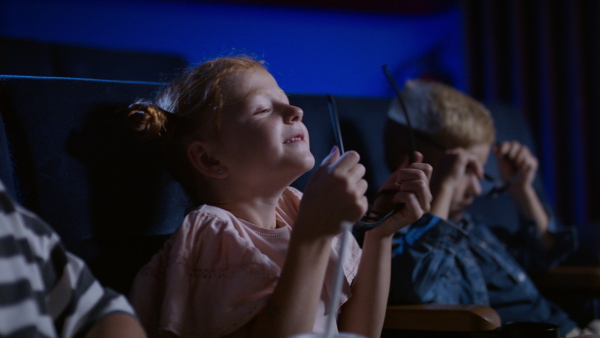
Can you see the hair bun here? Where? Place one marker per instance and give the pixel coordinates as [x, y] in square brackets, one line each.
[147, 120]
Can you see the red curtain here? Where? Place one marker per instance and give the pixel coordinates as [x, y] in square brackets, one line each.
[543, 57]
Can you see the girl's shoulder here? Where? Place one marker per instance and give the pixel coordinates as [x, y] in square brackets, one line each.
[207, 220]
[292, 193]
[215, 235]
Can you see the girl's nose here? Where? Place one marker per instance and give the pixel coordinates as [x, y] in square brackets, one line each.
[293, 114]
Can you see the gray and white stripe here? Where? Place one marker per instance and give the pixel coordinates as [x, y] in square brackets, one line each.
[44, 290]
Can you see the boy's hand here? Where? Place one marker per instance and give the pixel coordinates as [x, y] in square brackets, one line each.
[516, 164]
[335, 193]
[450, 176]
[453, 166]
[412, 197]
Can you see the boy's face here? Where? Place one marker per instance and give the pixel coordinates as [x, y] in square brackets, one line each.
[468, 185]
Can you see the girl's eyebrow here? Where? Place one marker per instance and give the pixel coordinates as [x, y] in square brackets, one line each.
[264, 92]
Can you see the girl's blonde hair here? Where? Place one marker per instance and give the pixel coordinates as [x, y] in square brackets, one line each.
[189, 108]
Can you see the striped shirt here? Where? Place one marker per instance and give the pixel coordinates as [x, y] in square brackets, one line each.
[45, 291]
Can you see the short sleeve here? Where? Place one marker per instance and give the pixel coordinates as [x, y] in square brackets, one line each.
[214, 280]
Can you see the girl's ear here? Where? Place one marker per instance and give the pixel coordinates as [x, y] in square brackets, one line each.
[199, 155]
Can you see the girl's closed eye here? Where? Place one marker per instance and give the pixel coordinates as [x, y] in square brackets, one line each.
[262, 111]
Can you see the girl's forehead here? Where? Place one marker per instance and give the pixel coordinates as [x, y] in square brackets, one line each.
[252, 82]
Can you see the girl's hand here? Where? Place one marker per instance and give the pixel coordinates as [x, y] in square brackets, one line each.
[516, 164]
[334, 193]
[413, 197]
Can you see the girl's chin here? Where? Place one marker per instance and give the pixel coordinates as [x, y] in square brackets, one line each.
[307, 163]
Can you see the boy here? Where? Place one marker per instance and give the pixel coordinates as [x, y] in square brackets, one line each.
[451, 258]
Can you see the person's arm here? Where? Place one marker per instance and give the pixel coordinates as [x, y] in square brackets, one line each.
[118, 325]
[518, 166]
[81, 305]
[531, 208]
[334, 193]
[425, 263]
[364, 312]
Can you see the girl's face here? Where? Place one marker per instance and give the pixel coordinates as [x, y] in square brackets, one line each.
[262, 135]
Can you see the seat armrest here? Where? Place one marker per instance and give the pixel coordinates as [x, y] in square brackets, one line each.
[572, 279]
[441, 317]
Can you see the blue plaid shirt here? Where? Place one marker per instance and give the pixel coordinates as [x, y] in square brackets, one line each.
[450, 262]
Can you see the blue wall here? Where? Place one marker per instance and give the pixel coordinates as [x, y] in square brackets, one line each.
[308, 50]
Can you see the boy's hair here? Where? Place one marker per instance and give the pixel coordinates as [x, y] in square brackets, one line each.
[186, 109]
[440, 114]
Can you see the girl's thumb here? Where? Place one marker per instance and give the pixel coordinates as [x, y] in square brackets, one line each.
[334, 154]
[405, 162]
[418, 157]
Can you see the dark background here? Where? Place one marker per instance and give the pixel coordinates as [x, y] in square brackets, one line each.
[539, 56]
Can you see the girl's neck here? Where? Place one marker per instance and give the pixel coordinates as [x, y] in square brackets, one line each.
[257, 206]
[259, 211]
[253, 200]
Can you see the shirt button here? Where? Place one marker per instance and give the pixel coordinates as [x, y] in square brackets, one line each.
[521, 277]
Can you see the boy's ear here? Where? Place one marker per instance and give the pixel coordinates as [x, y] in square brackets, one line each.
[199, 155]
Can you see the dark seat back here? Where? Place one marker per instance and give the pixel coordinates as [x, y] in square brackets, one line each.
[35, 58]
[66, 157]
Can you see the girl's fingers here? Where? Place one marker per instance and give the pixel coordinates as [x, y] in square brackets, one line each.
[333, 156]
[361, 187]
[412, 209]
[417, 188]
[348, 160]
[424, 167]
[411, 174]
[356, 172]
[418, 157]
[364, 206]
[405, 162]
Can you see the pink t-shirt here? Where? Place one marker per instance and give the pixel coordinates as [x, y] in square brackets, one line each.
[217, 271]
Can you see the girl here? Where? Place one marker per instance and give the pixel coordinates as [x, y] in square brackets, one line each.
[254, 257]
